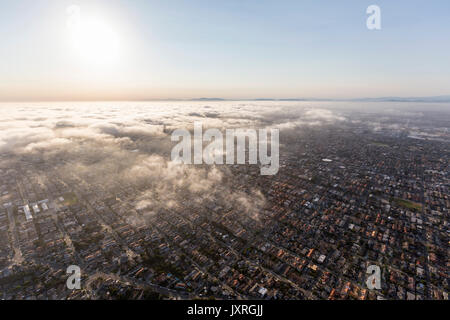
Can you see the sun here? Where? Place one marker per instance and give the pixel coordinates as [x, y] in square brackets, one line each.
[93, 38]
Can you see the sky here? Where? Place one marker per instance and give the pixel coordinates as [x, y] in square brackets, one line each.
[183, 49]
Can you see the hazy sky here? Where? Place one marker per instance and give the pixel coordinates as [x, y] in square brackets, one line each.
[145, 49]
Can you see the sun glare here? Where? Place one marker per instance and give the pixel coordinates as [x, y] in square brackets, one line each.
[93, 38]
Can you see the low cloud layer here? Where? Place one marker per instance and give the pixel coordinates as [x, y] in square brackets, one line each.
[129, 143]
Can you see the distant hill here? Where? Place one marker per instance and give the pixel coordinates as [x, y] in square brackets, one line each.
[407, 99]
[381, 99]
[208, 99]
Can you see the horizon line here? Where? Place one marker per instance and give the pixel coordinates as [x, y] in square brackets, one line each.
[438, 98]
